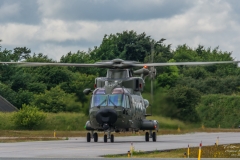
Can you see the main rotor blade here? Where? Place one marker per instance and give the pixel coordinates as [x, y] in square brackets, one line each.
[111, 64]
[33, 64]
[182, 63]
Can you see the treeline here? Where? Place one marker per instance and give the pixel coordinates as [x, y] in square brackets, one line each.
[178, 89]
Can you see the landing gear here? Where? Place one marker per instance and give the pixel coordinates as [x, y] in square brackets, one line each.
[92, 135]
[95, 137]
[146, 136]
[88, 137]
[112, 138]
[108, 136]
[105, 138]
[152, 135]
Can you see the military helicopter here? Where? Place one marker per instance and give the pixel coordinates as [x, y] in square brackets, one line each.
[117, 104]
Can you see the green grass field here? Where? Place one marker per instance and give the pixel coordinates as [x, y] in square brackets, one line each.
[76, 122]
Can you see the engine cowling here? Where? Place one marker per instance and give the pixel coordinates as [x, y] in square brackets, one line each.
[149, 125]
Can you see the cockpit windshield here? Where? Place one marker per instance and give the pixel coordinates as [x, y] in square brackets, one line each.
[117, 98]
[111, 100]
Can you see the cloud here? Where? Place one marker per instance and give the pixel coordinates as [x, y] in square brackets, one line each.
[208, 23]
[59, 30]
[108, 10]
[17, 34]
[24, 11]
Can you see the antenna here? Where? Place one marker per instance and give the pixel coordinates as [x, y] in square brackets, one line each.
[152, 76]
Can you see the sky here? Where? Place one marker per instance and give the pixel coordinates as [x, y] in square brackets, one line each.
[56, 27]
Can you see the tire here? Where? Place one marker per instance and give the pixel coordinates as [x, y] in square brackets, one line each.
[95, 137]
[146, 136]
[154, 136]
[112, 138]
[105, 138]
[88, 137]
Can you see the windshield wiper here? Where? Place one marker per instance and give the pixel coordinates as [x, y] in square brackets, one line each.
[98, 106]
[112, 103]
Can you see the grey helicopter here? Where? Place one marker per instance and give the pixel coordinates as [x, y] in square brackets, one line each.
[116, 103]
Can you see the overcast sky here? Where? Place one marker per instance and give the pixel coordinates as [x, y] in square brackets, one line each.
[55, 27]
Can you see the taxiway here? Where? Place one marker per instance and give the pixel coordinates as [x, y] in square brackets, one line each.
[79, 148]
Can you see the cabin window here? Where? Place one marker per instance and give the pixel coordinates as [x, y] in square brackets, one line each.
[126, 102]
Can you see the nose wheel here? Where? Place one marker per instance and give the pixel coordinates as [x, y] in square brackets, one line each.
[108, 136]
[94, 136]
[112, 138]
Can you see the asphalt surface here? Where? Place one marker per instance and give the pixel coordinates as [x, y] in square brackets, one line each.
[79, 148]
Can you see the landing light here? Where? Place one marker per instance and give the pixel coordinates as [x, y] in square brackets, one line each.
[145, 67]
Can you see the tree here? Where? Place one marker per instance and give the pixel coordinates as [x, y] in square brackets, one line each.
[169, 77]
[195, 72]
[29, 117]
[78, 83]
[127, 45]
[39, 58]
[56, 100]
[185, 101]
[24, 97]
[20, 80]
[20, 53]
[81, 57]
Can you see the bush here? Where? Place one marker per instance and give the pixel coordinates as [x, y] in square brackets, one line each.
[29, 117]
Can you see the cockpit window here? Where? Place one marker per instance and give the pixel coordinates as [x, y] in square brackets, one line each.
[99, 100]
[115, 100]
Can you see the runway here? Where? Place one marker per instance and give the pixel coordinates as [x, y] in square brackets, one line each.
[79, 148]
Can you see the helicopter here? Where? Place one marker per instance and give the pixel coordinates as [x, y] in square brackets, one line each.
[117, 104]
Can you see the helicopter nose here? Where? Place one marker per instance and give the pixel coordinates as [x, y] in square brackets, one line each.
[108, 116]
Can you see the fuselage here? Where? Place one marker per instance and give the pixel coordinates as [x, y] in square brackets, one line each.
[117, 111]
[117, 103]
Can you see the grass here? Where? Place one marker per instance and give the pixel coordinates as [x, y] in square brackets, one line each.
[72, 125]
[54, 121]
[24, 139]
[50, 133]
[221, 151]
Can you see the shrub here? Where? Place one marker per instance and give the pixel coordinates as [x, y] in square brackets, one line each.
[29, 117]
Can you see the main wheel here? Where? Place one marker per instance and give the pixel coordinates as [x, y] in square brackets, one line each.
[105, 138]
[112, 138]
[95, 137]
[154, 136]
[88, 137]
[146, 136]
